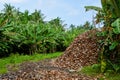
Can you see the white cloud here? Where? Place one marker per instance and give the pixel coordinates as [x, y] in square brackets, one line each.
[12, 1]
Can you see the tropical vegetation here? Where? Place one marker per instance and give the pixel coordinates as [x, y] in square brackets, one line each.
[109, 15]
[28, 33]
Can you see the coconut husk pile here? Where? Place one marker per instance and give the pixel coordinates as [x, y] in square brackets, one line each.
[83, 51]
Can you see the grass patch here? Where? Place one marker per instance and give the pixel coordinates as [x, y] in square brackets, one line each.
[91, 70]
[94, 71]
[16, 59]
[112, 76]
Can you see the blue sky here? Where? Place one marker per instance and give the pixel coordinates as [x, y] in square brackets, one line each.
[70, 11]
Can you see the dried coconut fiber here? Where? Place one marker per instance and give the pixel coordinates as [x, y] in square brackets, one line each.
[83, 51]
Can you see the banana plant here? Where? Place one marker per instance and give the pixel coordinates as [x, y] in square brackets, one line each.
[109, 14]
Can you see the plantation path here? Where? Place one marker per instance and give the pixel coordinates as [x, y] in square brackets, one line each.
[42, 70]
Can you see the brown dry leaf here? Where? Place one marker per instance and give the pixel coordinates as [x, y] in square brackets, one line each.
[82, 52]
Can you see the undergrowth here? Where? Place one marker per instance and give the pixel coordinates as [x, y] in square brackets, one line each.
[94, 71]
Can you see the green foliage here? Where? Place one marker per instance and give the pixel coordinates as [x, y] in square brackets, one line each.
[36, 36]
[103, 65]
[110, 44]
[113, 45]
[94, 71]
[27, 33]
[116, 26]
[93, 8]
[91, 70]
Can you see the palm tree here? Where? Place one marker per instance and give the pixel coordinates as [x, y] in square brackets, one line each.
[37, 16]
[58, 23]
[8, 10]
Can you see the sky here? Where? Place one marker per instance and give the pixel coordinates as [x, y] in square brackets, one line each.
[70, 11]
